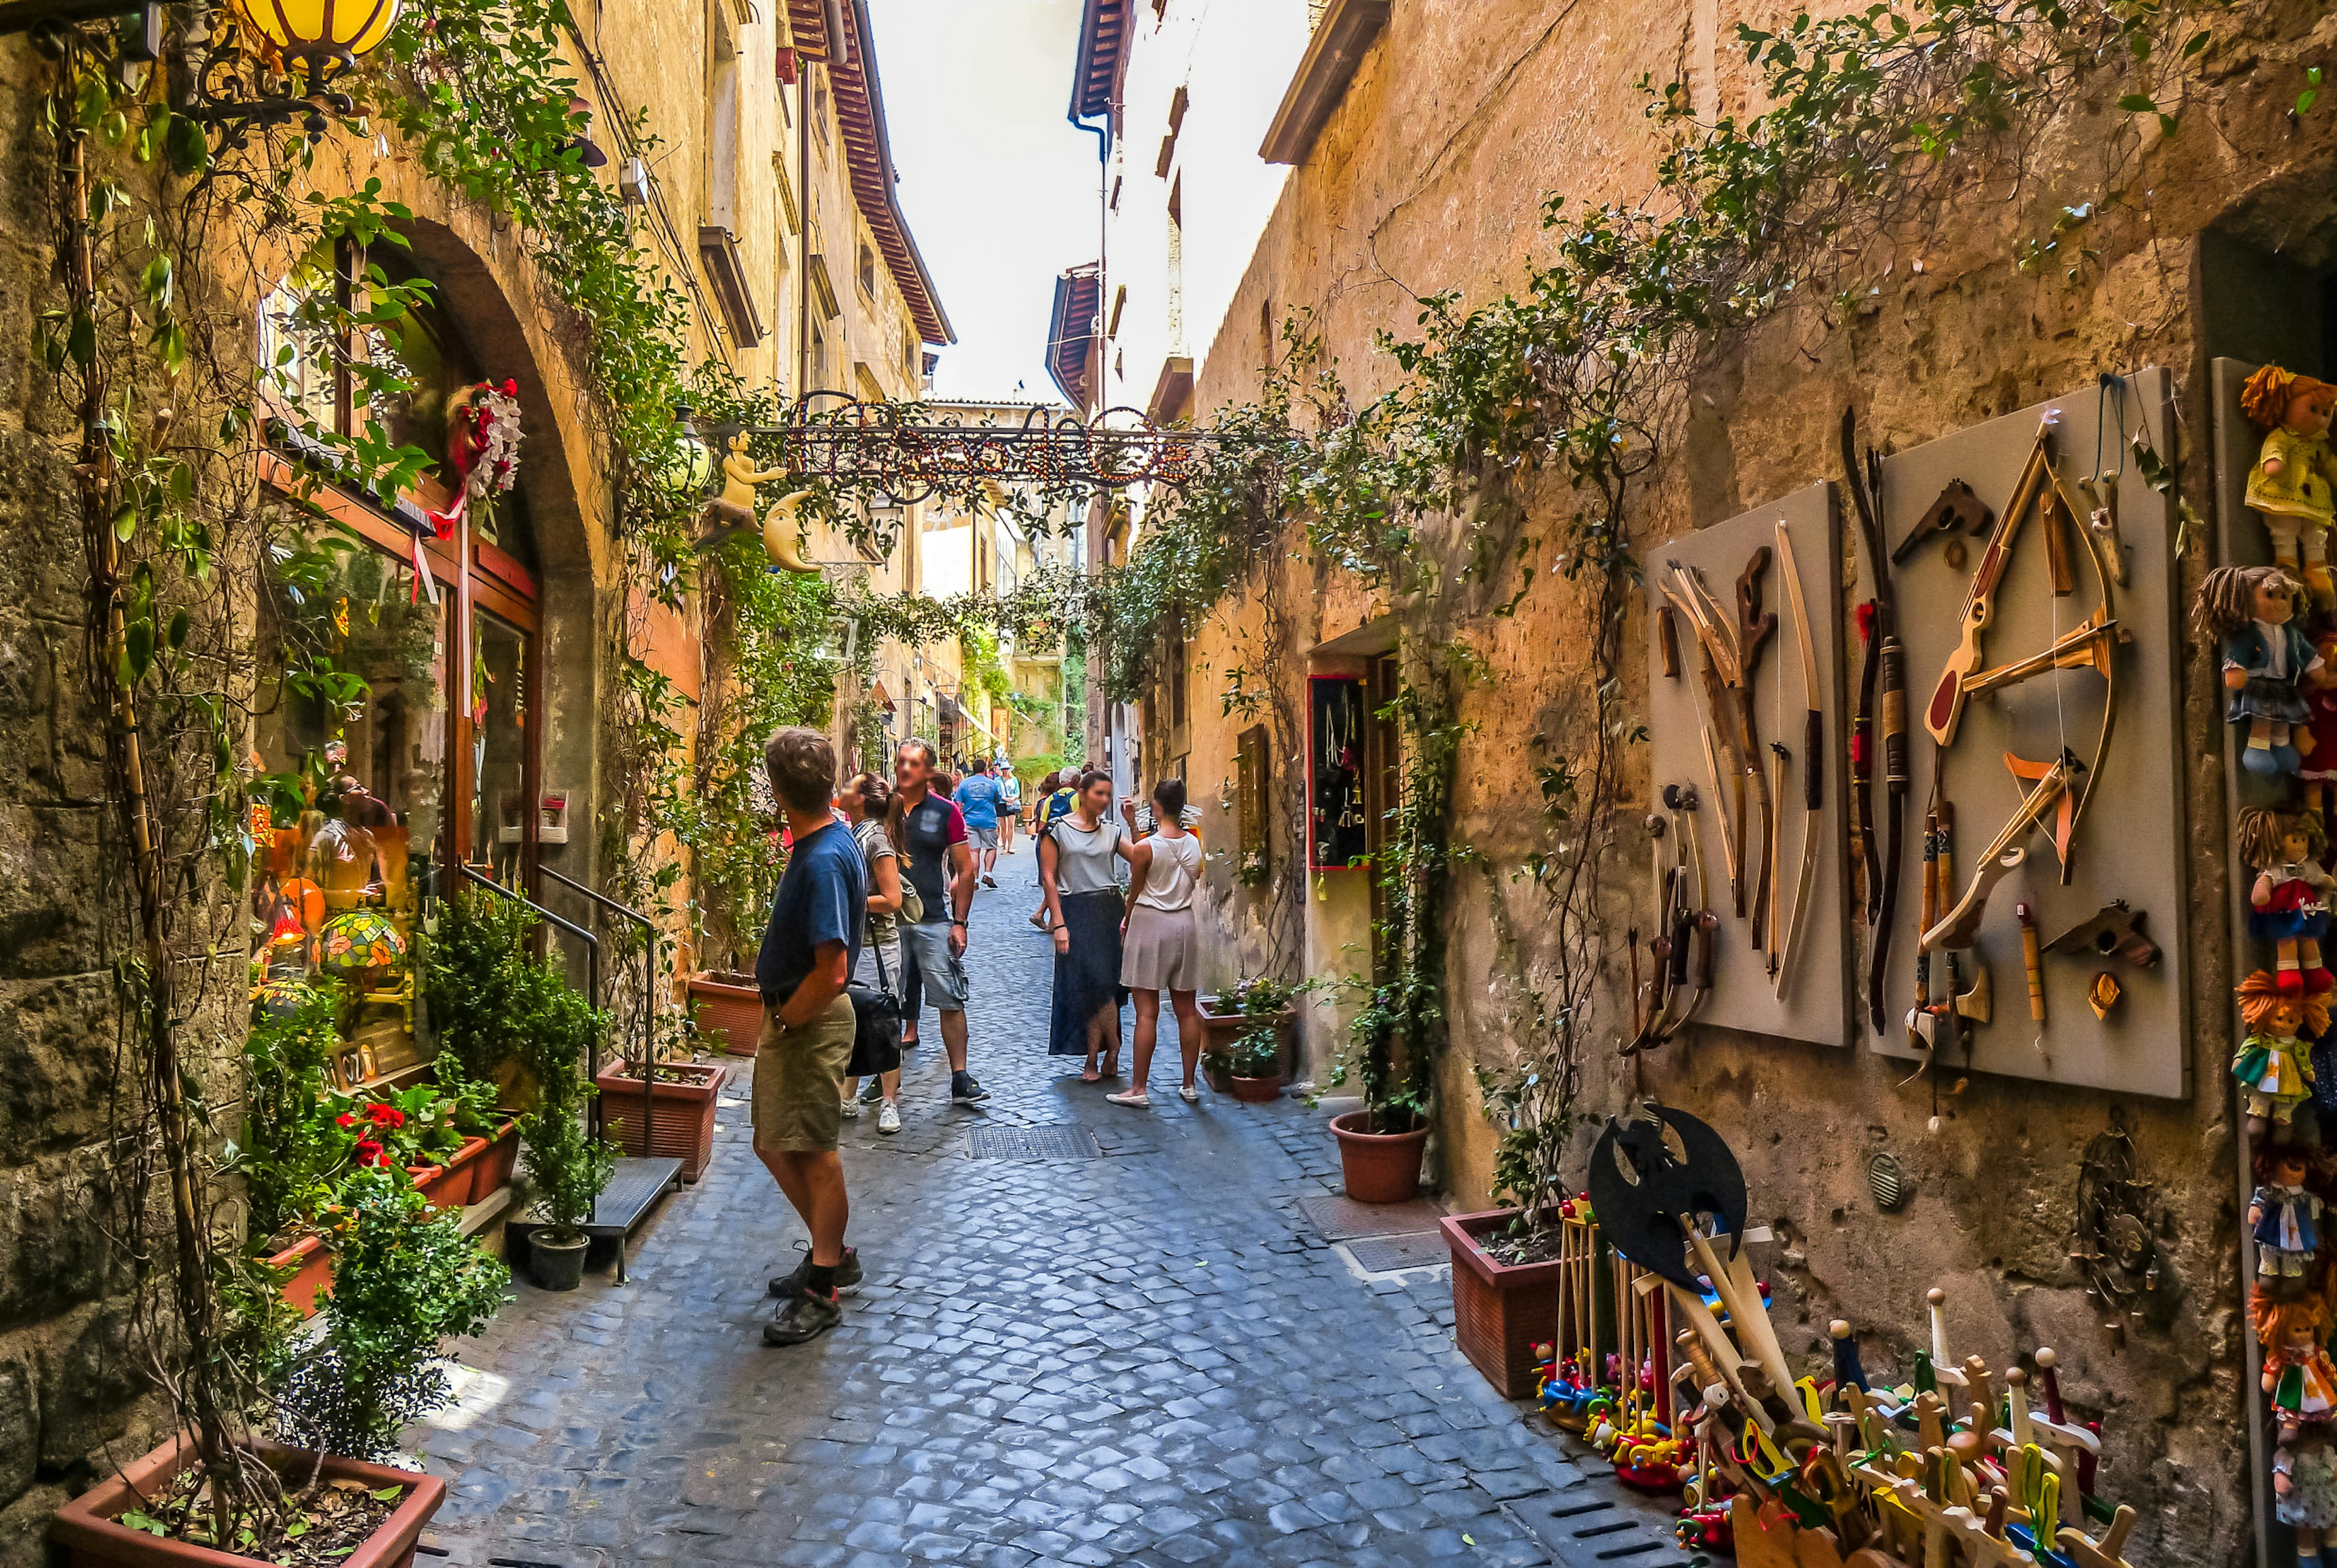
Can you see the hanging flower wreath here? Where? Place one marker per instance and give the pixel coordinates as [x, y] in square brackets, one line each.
[482, 436]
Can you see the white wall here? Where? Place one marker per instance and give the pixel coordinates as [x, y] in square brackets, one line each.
[1234, 61]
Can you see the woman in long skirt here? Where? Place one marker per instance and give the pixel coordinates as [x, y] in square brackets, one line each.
[1076, 872]
[1160, 948]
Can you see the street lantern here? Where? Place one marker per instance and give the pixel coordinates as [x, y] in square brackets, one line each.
[324, 36]
[689, 467]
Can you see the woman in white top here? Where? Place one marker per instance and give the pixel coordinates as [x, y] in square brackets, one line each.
[1077, 857]
[1160, 946]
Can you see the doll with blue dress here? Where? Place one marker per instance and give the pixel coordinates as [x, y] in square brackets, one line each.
[2250, 611]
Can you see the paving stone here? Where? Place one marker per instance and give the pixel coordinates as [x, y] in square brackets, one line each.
[1148, 1359]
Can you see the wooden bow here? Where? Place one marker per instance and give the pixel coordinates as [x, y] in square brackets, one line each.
[1732, 653]
[2049, 786]
[1812, 752]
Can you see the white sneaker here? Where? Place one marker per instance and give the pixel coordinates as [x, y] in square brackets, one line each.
[1135, 1097]
[1189, 1094]
[888, 1117]
[852, 1109]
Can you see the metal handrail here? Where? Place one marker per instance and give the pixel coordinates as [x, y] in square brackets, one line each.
[591, 982]
[648, 999]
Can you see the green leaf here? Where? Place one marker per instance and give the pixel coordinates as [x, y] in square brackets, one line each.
[125, 523]
[156, 280]
[138, 649]
[178, 632]
[2138, 103]
[189, 149]
[2198, 41]
[80, 340]
[388, 1493]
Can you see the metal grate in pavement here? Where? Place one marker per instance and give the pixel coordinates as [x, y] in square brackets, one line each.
[1386, 1254]
[1338, 1217]
[1040, 1144]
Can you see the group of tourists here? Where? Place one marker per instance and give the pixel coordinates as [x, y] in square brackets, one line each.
[869, 925]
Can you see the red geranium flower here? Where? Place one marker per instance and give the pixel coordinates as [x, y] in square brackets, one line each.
[346, 1119]
[370, 1153]
[388, 1116]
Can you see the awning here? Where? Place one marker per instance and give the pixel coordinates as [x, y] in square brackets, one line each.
[877, 694]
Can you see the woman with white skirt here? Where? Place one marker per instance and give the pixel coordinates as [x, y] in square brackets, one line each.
[1160, 945]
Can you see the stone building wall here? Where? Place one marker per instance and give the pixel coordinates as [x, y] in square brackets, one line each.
[1431, 176]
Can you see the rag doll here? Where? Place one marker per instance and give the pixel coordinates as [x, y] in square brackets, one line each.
[2297, 1373]
[2290, 895]
[2267, 662]
[2305, 1492]
[2283, 1217]
[2293, 485]
[2272, 1066]
[2319, 773]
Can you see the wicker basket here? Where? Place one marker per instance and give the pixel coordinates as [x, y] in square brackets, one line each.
[1500, 1310]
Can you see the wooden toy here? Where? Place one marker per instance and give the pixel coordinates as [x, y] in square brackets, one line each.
[2297, 1372]
[2250, 611]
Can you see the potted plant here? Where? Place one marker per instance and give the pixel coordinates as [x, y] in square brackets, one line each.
[1253, 1066]
[1381, 1145]
[567, 1167]
[1256, 1003]
[680, 1126]
[1506, 1271]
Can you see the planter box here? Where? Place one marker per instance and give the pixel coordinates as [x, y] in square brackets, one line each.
[312, 1267]
[730, 1010]
[1500, 1310]
[443, 1186]
[459, 1188]
[1257, 1091]
[85, 1527]
[493, 1172]
[683, 1114]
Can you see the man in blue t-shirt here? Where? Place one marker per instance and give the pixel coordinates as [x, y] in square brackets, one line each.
[808, 953]
[977, 797]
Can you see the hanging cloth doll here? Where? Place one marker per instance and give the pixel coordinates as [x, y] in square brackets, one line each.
[2293, 485]
[2272, 1066]
[2291, 893]
[2297, 1372]
[2284, 1218]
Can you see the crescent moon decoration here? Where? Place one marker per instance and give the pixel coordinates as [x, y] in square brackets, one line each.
[783, 535]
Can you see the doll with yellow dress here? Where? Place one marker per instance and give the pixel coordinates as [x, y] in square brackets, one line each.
[2293, 485]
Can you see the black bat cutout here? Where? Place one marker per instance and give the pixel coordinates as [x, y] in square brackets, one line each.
[1642, 1218]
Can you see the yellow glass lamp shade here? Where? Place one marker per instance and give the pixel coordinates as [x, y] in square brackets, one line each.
[314, 27]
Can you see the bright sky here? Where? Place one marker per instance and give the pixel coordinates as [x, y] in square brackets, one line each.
[999, 188]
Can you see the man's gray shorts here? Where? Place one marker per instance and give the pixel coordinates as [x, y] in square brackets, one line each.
[940, 972]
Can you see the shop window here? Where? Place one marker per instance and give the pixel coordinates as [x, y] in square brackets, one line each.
[295, 359]
[499, 712]
[350, 738]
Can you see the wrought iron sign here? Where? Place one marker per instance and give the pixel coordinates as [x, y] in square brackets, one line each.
[867, 446]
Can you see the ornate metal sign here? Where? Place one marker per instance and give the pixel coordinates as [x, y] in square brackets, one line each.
[867, 446]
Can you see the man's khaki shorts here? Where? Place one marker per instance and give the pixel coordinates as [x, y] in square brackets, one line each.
[799, 1081]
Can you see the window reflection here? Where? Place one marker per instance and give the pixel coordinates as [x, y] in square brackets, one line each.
[500, 814]
[351, 746]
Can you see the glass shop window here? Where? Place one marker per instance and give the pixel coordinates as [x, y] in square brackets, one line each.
[499, 721]
[295, 359]
[349, 750]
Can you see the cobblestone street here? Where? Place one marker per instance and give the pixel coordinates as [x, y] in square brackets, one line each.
[1145, 1357]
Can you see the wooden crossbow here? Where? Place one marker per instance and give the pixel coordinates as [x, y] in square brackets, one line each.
[2092, 645]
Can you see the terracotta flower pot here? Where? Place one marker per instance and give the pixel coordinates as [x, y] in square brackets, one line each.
[439, 1184]
[85, 1527]
[460, 1186]
[312, 1267]
[1379, 1167]
[730, 1010]
[497, 1163]
[1257, 1091]
[1223, 1027]
[1500, 1310]
[1220, 1078]
[683, 1113]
